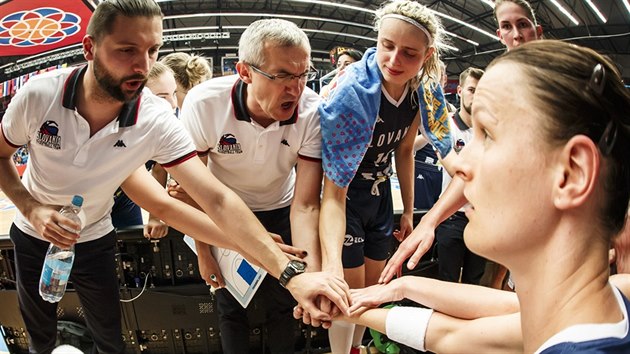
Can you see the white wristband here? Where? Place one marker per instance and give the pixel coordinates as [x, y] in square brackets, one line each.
[408, 325]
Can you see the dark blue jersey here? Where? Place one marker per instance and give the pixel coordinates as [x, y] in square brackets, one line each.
[392, 124]
[609, 338]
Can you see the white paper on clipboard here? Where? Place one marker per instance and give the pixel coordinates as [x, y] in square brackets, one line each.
[242, 279]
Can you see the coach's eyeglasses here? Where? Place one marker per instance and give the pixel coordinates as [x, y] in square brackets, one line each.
[311, 74]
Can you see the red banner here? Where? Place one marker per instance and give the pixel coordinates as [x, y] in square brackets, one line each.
[34, 26]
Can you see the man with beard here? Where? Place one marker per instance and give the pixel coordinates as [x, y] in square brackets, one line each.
[89, 130]
[455, 261]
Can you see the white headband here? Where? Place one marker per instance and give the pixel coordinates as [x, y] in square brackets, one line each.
[413, 22]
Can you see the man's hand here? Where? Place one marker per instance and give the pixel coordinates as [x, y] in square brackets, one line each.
[155, 229]
[176, 191]
[325, 305]
[50, 224]
[210, 271]
[416, 245]
[311, 290]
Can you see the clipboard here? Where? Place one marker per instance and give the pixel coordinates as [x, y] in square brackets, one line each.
[242, 279]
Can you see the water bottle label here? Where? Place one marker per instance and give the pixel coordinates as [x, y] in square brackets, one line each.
[63, 278]
[47, 275]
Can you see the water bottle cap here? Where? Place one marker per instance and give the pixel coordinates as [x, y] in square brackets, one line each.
[77, 200]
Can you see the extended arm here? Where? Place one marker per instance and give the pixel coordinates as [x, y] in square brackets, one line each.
[458, 300]
[446, 334]
[223, 206]
[305, 210]
[145, 191]
[155, 228]
[405, 171]
[332, 226]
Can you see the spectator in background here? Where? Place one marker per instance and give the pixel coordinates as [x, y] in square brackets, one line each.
[189, 69]
[517, 23]
[161, 81]
[345, 58]
[444, 82]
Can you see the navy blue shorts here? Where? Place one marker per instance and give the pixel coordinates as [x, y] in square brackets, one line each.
[427, 185]
[369, 223]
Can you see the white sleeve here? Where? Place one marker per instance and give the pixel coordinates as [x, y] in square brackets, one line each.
[312, 142]
[193, 122]
[16, 121]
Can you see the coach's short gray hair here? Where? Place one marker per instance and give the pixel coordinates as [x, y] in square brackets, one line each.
[278, 32]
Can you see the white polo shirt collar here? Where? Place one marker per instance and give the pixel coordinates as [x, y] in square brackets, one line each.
[128, 114]
[239, 102]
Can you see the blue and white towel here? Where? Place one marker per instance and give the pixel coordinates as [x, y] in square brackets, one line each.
[349, 113]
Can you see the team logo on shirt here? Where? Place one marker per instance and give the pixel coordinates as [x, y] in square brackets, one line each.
[229, 145]
[48, 135]
[459, 145]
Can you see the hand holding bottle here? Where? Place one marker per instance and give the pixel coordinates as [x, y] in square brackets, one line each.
[53, 226]
[58, 262]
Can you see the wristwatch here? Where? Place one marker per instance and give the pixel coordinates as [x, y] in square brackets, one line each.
[293, 268]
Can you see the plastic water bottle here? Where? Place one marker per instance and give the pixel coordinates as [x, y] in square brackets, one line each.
[58, 262]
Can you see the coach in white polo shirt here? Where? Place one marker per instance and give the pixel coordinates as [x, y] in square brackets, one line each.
[253, 129]
[88, 130]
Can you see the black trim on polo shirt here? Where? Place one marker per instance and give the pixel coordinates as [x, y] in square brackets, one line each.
[128, 115]
[308, 158]
[239, 102]
[203, 153]
[460, 122]
[177, 161]
[71, 86]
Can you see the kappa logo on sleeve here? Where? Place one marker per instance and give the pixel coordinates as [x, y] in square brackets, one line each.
[48, 135]
[120, 144]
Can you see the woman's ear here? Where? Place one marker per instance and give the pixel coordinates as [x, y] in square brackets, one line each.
[539, 32]
[430, 52]
[577, 173]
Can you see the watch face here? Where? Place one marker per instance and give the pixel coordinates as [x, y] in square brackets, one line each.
[298, 265]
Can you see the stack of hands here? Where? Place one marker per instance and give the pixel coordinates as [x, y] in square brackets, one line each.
[344, 303]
